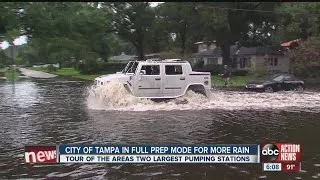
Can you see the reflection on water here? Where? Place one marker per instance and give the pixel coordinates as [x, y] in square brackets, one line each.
[54, 112]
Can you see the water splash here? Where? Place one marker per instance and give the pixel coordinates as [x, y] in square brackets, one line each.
[113, 96]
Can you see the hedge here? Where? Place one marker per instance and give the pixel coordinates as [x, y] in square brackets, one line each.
[100, 67]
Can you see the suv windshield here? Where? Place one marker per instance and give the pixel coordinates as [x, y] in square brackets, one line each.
[127, 67]
[132, 69]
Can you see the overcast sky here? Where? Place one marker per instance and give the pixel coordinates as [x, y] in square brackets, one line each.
[153, 4]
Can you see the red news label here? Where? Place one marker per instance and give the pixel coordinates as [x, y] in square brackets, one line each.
[289, 153]
[291, 167]
[282, 153]
[40, 154]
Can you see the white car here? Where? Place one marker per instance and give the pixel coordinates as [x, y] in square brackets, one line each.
[166, 79]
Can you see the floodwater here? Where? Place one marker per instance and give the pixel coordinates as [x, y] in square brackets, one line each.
[57, 111]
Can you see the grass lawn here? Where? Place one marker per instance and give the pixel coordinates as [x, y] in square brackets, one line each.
[236, 81]
[40, 69]
[217, 81]
[69, 72]
[11, 75]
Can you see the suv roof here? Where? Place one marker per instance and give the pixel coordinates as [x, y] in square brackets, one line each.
[164, 61]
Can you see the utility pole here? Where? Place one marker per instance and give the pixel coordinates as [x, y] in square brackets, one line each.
[13, 51]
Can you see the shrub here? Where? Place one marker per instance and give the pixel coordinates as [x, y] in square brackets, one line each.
[93, 67]
[90, 67]
[18, 71]
[112, 67]
[199, 65]
[312, 72]
[240, 73]
[52, 68]
[214, 69]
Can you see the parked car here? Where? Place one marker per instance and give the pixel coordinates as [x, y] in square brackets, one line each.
[277, 82]
[166, 79]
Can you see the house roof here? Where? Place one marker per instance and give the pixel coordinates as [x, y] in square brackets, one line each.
[153, 54]
[287, 44]
[122, 57]
[216, 52]
[273, 50]
[202, 42]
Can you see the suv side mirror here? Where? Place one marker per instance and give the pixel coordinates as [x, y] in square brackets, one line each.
[142, 72]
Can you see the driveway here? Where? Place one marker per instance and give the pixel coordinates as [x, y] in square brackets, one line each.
[36, 74]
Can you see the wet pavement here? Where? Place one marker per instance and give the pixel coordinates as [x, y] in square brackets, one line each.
[36, 74]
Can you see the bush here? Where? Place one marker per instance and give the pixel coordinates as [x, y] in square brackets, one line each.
[18, 71]
[90, 67]
[199, 65]
[52, 68]
[2, 66]
[108, 68]
[93, 67]
[240, 73]
[27, 65]
[214, 69]
[2, 74]
[310, 72]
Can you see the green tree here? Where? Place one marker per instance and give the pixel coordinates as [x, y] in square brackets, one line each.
[305, 58]
[182, 21]
[298, 20]
[9, 21]
[229, 22]
[133, 22]
[67, 32]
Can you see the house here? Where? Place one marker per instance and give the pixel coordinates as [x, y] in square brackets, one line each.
[123, 58]
[290, 43]
[254, 59]
[155, 56]
[258, 59]
[207, 54]
[46, 65]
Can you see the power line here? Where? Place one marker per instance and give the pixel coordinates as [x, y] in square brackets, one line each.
[249, 10]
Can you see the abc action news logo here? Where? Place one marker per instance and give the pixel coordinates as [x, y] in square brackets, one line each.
[40, 154]
[281, 153]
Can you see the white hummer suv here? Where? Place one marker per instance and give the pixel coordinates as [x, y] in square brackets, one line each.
[170, 78]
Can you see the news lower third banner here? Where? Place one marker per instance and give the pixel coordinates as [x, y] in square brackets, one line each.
[217, 153]
[159, 154]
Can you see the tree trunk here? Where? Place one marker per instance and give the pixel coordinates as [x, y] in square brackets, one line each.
[139, 45]
[141, 54]
[183, 35]
[225, 48]
[183, 42]
[140, 50]
[291, 71]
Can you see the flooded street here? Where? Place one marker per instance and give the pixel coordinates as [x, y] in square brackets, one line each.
[57, 111]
